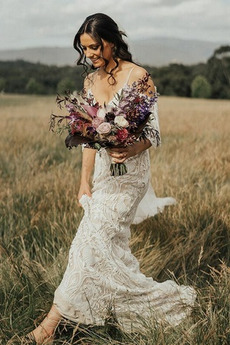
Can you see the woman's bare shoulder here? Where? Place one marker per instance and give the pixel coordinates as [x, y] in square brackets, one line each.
[138, 73]
[88, 81]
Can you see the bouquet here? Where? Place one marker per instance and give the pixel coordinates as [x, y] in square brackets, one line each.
[118, 124]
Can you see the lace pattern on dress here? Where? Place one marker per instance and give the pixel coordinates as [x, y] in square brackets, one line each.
[151, 130]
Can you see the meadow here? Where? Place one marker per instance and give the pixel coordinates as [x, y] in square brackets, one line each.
[189, 242]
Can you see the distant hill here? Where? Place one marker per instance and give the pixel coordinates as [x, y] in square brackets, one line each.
[162, 51]
[152, 52]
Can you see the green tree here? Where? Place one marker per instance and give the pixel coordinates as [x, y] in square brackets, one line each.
[65, 84]
[34, 87]
[200, 87]
[2, 84]
[218, 72]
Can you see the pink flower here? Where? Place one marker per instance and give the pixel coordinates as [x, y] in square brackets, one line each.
[70, 107]
[92, 111]
[96, 122]
[122, 134]
[104, 128]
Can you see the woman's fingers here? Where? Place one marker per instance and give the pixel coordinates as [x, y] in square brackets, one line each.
[119, 159]
[119, 155]
[84, 193]
[78, 203]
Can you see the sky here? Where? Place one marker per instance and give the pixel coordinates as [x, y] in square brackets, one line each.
[39, 23]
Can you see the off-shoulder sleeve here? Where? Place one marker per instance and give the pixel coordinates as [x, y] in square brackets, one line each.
[151, 130]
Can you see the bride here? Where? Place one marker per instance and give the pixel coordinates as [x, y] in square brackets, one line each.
[102, 275]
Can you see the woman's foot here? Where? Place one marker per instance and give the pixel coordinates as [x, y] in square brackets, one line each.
[44, 333]
[28, 339]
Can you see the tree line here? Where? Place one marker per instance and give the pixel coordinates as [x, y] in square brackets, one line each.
[203, 80]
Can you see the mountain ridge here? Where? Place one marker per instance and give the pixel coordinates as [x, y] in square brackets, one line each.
[157, 51]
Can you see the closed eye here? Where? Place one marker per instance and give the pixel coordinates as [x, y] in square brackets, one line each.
[91, 47]
[94, 47]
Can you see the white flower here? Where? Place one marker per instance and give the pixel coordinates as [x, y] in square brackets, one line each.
[101, 113]
[104, 128]
[121, 121]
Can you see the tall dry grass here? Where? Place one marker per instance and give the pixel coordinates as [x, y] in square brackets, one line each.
[188, 242]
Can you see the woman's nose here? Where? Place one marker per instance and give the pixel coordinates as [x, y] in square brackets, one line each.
[88, 53]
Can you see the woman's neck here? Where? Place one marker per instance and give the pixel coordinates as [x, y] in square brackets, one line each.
[111, 65]
[104, 71]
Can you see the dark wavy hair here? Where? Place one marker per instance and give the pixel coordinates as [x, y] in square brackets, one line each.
[100, 26]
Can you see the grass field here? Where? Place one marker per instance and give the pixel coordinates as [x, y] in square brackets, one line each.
[188, 242]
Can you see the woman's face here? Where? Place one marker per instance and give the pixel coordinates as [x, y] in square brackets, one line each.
[92, 50]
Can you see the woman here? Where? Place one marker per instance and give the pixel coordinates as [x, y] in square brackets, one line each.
[102, 274]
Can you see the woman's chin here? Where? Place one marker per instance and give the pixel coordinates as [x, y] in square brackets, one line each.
[96, 63]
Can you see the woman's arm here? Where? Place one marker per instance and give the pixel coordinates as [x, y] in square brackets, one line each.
[119, 155]
[88, 159]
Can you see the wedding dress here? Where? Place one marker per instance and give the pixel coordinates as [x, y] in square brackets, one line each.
[102, 274]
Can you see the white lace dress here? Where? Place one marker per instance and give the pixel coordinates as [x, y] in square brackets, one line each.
[102, 275]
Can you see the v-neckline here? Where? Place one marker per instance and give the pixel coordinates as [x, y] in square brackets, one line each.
[117, 93]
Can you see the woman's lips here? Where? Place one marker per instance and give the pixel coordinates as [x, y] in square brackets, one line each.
[95, 60]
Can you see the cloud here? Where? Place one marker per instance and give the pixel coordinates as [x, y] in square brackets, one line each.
[54, 22]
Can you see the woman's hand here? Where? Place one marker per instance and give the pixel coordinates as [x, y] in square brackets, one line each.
[84, 189]
[120, 154]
